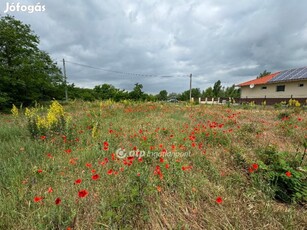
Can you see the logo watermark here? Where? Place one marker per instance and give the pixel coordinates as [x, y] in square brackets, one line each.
[18, 7]
[122, 153]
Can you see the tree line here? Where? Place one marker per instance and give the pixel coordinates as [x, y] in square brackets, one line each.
[107, 91]
[29, 75]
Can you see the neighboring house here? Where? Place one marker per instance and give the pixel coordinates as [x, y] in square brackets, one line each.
[280, 85]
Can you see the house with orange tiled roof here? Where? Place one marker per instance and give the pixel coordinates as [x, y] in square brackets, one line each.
[283, 85]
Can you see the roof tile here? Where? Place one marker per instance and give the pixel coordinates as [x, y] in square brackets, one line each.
[259, 81]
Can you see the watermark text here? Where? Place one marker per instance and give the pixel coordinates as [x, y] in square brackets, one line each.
[18, 7]
[122, 153]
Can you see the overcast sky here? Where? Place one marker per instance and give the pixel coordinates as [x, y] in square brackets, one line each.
[166, 40]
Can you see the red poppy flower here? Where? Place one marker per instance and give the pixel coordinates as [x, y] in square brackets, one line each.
[43, 137]
[158, 172]
[50, 190]
[288, 174]
[184, 168]
[88, 165]
[95, 177]
[39, 170]
[78, 181]
[219, 200]
[38, 199]
[131, 158]
[73, 161]
[110, 172]
[255, 166]
[82, 193]
[167, 166]
[68, 151]
[58, 201]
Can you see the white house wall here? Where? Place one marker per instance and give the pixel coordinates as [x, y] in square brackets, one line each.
[292, 89]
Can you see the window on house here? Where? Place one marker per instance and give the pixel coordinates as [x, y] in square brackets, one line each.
[280, 88]
[263, 87]
[301, 85]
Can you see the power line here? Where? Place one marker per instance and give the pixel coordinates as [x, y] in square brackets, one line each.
[124, 73]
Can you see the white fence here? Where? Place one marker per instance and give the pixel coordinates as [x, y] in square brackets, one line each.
[215, 100]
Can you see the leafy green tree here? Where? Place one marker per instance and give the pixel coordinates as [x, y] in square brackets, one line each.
[86, 94]
[27, 73]
[105, 91]
[220, 91]
[149, 97]
[232, 92]
[162, 96]
[208, 93]
[137, 93]
[173, 96]
[120, 95]
[217, 88]
[264, 73]
[185, 96]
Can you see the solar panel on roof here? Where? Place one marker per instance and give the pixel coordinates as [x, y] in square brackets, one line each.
[292, 74]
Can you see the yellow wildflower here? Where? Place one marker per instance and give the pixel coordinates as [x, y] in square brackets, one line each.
[14, 111]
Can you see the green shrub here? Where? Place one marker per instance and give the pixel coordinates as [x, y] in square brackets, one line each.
[280, 174]
[283, 115]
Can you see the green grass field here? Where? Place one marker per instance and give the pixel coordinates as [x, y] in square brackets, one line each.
[156, 166]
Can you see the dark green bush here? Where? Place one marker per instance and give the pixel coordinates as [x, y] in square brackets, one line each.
[283, 115]
[288, 187]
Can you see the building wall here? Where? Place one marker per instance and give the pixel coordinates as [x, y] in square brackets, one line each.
[292, 89]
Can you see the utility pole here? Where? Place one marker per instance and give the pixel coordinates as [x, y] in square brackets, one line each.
[190, 87]
[65, 80]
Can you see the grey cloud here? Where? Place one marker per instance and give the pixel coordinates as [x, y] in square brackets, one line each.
[231, 41]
